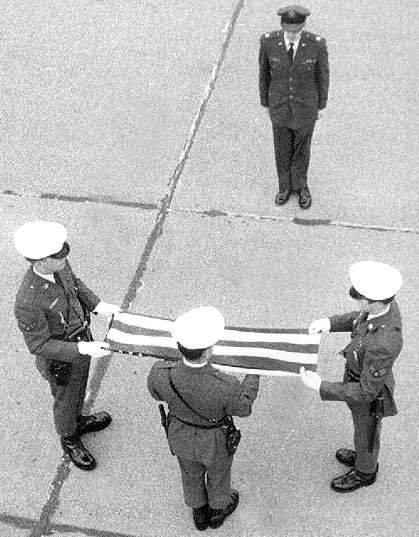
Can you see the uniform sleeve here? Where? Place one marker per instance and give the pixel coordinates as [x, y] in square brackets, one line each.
[264, 74]
[34, 326]
[378, 361]
[343, 323]
[86, 295]
[243, 395]
[322, 74]
[152, 382]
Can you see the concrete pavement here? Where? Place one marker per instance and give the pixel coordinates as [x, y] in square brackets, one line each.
[137, 124]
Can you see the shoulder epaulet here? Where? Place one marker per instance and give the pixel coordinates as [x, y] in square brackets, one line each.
[220, 375]
[27, 292]
[165, 364]
[314, 37]
[271, 35]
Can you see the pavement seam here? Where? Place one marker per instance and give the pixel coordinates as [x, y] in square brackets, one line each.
[106, 200]
[43, 526]
[26, 523]
[296, 220]
[213, 213]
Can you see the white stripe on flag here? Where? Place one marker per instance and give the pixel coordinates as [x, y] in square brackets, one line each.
[133, 339]
[144, 322]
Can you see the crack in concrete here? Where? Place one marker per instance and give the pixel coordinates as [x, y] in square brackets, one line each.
[212, 213]
[43, 526]
[27, 523]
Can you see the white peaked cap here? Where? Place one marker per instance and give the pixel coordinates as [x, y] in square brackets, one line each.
[376, 281]
[36, 240]
[198, 328]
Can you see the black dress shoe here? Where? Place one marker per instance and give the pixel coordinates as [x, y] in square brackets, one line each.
[346, 456]
[216, 517]
[81, 457]
[304, 199]
[282, 197]
[92, 423]
[353, 480]
[200, 517]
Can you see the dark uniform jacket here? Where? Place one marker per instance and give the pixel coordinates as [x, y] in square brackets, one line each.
[45, 315]
[294, 92]
[211, 393]
[375, 344]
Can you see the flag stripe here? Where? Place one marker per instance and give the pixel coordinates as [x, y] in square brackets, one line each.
[275, 352]
[229, 334]
[117, 337]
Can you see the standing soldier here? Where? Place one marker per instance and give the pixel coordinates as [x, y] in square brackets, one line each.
[293, 85]
[199, 397]
[53, 312]
[368, 382]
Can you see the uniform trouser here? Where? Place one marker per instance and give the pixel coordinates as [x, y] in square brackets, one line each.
[68, 400]
[363, 424]
[206, 484]
[292, 155]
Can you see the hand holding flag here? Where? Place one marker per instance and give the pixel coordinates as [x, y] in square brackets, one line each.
[319, 326]
[310, 378]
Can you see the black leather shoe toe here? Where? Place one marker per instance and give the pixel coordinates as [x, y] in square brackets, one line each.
[93, 423]
[304, 199]
[77, 452]
[200, 517]
[353, 480]
[282, 197]
[216, 517]
[346, 456]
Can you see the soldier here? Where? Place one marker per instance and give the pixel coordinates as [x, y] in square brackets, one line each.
[368, 382]
[293, 85]
[53, 312]
[199, 397]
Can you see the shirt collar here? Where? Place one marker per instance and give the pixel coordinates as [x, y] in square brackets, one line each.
[192, 364]
[48, 277]
[379, 314]
[296, 42]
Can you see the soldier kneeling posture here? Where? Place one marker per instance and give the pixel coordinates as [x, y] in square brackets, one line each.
[53, 312]
[368, 381]
[200, 398]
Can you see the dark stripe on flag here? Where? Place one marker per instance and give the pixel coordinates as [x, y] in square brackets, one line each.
[274, 345]
[165, 352]
[269, 330]
[139, 330]
[256, 362]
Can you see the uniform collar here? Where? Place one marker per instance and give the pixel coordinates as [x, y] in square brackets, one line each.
[389, 318]
[384, 312]
[192, 364]
[48, 277]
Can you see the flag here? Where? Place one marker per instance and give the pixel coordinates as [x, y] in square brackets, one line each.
[261, 351]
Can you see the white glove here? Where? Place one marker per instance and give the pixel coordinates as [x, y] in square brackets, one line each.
[319, 326]
[95, 349]
[310, 378]
[103, 308]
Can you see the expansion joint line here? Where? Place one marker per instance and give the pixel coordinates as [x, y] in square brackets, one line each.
[42, 527]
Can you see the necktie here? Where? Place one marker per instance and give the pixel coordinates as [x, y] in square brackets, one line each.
[58, 279]
[291, 52]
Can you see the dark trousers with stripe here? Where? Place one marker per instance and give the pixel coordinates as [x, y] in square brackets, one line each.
[206, 484]
[69, 399]
[363, 423]
[292, 155]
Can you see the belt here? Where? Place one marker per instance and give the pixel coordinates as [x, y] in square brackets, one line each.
[198, 426]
